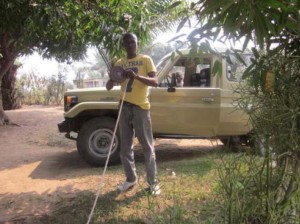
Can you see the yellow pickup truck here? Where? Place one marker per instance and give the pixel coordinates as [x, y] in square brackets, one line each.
[193, 100]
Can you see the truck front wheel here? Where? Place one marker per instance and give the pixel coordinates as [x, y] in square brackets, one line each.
[94, 140]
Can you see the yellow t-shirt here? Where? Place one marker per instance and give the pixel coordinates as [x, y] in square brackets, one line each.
[136, 91]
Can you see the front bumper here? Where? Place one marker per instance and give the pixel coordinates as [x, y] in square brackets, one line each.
[64, 126]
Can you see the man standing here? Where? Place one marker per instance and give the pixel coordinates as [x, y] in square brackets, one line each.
[135, 116]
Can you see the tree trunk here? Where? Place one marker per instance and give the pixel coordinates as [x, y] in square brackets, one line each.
[4, 67]
[10, 95]
[9, 55]
[3, 117]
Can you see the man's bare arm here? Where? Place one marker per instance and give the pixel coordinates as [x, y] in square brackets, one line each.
[151, 80]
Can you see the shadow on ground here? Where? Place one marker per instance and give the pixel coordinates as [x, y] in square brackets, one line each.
[65, 164]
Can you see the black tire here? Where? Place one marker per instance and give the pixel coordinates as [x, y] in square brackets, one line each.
[258, 145]
[94, 140]
[233, 143]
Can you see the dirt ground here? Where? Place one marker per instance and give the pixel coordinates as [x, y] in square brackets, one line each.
[38, 166]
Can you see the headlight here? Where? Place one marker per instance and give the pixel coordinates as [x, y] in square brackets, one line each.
[70, 101]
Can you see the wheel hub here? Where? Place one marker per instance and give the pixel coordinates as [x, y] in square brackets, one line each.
[100, 140]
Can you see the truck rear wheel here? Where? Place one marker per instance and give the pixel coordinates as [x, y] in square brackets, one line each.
[233, 143]
[261, 144]
[94, 140]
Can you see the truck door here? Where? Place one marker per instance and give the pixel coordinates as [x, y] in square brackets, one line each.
[191, 109]
[186, 111]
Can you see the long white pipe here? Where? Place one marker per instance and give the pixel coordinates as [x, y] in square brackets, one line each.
[101, 181]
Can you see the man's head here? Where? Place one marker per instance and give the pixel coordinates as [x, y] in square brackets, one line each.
[179, 76]
[179, 79]
[130, 44]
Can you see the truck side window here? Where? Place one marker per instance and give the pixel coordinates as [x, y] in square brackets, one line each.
[201, 79]
[175, 72]
[236, 68]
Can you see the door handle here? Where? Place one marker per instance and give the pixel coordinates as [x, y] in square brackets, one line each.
[208, 99]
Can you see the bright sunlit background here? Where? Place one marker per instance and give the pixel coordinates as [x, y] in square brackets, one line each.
[43, 67]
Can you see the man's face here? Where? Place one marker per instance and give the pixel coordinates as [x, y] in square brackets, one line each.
[130, 44]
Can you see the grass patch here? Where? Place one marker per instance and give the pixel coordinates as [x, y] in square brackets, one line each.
[217, 188]
[188, 196]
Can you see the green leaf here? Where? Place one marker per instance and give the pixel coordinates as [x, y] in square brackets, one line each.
[246, 42]
[247, 72]
[238, 56]
[181, 24]
[255, 53]
[175, 4]
[228, 59]
[217, 68]
[176, 37]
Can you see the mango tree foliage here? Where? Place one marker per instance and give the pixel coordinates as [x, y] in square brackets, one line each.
[63, 29]
[264, 22]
